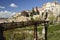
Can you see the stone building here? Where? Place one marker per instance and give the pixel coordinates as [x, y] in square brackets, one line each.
[24, 13]
[52, 6]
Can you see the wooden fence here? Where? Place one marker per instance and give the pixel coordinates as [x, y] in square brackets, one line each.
[9, 26]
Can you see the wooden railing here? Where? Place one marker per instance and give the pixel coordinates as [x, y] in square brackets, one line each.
[13, 25]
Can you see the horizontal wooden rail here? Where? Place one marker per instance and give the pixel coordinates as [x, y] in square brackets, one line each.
[12, 25]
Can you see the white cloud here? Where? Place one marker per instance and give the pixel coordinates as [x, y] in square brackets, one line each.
[2, 7]
[5, 14]
[13, 5]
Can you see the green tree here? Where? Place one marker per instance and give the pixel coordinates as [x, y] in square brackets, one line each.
[37, 12]
[32, 13]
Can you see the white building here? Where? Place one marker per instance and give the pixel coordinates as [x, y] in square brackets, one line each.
[52, 6]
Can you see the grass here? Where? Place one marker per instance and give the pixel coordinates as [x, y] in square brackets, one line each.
[53, 31]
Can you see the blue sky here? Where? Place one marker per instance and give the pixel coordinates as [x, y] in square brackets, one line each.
[20, 5]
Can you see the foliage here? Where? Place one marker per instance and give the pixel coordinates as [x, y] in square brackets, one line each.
[37, 12]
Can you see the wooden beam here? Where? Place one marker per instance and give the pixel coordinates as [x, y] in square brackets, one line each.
[13, 25]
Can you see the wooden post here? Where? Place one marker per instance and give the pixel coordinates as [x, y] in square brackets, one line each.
[43, 33]
[1, 33]
[35, 32]
[46, 29]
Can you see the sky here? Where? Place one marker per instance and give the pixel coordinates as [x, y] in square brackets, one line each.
[10, 7]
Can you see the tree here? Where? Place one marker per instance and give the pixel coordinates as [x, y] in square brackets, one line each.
[32, 13]
[37, 12]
